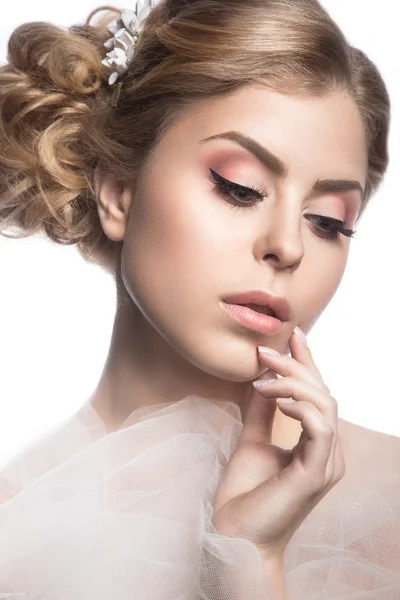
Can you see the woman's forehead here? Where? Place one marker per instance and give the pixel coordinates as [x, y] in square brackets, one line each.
[294, 132]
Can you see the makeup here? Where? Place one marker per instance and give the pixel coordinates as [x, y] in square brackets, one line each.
[253, 320]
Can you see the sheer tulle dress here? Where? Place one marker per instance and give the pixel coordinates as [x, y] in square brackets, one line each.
[89, 514]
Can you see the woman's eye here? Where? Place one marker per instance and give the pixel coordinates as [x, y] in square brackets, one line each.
[240, 196]
[330, 228]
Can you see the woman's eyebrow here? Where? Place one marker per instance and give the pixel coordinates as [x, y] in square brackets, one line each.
[275, 164]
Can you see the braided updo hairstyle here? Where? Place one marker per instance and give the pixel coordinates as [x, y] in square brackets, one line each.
[57, 123]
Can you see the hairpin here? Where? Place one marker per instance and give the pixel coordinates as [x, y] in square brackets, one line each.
[125, 33]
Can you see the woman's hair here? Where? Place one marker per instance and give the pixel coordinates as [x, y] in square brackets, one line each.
[57, 123]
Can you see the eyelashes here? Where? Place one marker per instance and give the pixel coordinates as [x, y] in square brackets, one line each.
[235, 189]
[240, 196]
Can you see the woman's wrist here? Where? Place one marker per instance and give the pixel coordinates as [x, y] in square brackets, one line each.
[275, 569]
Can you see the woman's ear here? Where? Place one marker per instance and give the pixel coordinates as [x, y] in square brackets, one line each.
[113, 203]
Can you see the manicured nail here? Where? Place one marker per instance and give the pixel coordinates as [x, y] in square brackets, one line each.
[268, 351]
[261, 382]
[301, 335]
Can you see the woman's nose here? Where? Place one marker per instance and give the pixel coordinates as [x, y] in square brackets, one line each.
[282, 241]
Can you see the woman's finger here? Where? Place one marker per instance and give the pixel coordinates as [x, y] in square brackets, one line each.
[258, 419]
[300, 364]
[311, 467]
[299, 390]
[301, 352]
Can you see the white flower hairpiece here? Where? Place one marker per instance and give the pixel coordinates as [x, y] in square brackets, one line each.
[125, 32]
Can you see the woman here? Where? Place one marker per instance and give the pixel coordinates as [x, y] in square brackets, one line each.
[215, 157]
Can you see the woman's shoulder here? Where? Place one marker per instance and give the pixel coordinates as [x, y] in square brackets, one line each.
[363, 439]
[372, 456]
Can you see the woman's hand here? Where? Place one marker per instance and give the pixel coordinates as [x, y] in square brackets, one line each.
[266, 492]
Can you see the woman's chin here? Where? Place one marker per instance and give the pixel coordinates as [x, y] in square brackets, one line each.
[241, 369]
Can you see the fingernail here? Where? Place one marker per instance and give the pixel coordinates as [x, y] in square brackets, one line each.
[268, 351]
[301, 335]
[261, 382]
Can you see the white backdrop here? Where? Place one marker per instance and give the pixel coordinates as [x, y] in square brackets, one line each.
[57, 311]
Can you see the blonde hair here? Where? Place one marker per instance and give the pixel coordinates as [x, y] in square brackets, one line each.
[57, 124]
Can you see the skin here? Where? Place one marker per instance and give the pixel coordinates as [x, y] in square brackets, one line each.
[185, 247]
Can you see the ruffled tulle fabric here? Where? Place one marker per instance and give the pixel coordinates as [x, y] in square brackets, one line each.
[97, 515]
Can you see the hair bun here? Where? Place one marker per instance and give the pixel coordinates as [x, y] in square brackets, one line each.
[56, 58]
[51, 84]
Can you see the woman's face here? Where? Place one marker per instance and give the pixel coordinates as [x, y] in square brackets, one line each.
[188, 246]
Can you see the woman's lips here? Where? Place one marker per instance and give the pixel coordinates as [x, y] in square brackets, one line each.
[252, 319]
[278, 304]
